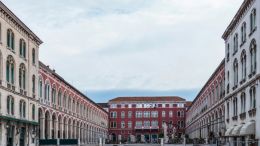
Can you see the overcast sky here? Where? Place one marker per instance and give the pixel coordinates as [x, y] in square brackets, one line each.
[130, 47]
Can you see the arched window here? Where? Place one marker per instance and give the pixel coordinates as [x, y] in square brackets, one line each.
[253, 20]
[243, 102]
[243, 33]
[33, 84]
[235, 42]
[65, 100]
[252, 92]
[235, 68]
[10, 69]
[243, 65]
[40, 87]
[10, 39]
[10, 105]
[47, 91]
[69, 103]
[33, 56]
[22, 75]
[22, 46]
[235, 106]
[53, 95]
[33, 112]
[59, 98]
[253, 57]
[22, 108]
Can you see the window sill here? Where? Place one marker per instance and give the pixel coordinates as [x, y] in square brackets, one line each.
[252, 112]
[12, 50]
[242, 115]
[252, 32]
[234, 118]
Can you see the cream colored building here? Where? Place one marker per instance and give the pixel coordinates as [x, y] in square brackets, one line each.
[19, 48]
[242, 73]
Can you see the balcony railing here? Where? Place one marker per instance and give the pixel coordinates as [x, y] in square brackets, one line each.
[146, 127]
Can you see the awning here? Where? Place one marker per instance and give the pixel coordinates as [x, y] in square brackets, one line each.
[229, 131]
[248, 129]
[19, 120]
[236, 130]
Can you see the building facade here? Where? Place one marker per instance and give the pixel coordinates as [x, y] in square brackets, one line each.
[205, 117]
[141, 119]
[35, 102]
[242, 68]
[66, 113]
[19, 49]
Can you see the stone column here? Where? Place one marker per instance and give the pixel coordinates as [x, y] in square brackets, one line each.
[42, 128]
[61, 130]
[55, 128]
[49, 129]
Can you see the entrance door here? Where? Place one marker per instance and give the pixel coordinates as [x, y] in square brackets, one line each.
[154, 138]
[10, 135]
[147, 138]
[22, 136]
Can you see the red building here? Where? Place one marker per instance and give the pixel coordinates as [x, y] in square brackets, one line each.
[141, 119]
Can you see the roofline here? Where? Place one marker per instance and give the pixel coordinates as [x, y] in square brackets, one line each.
[19, 22]
[63, 80]
[211, 77]
[182, 99]
[236, 18]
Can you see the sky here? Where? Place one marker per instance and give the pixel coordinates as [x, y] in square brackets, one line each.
[110, 48]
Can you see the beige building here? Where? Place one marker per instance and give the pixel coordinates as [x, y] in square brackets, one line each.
[19, 48]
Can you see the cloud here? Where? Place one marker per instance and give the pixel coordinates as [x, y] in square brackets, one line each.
[130, 44]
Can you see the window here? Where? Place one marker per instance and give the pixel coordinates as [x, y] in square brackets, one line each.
[40, 87]
[33, 112]
[243, 63]
[253, 20]
[10, 105]
[10, 69]
[22, 76]
[22, 48]
[243, 33]
[69, 104]
[228, 110]
[178, 114]
[235, 106]
[33, 84]
[60, 102]
[113, 114]
[170, 114]
[10, 39]
[129, 124]
[146, 123]
[228, 52]
[129, 105]
[235, 41]
[113, 106]
[252, 92]
[154, 114]
[122, 114]
[253, 57]
[182, 113]
[122, 105]
[138, 123]
[163, 114]
[139, 105]
[122, 124]
[235, 68]
[243, 102]
[33, 56]
[22, 108]
[113, 124]
[53, 95]
[129, 114]
[47, 91]
[146, 114]
[154, 123]
[138, 114]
